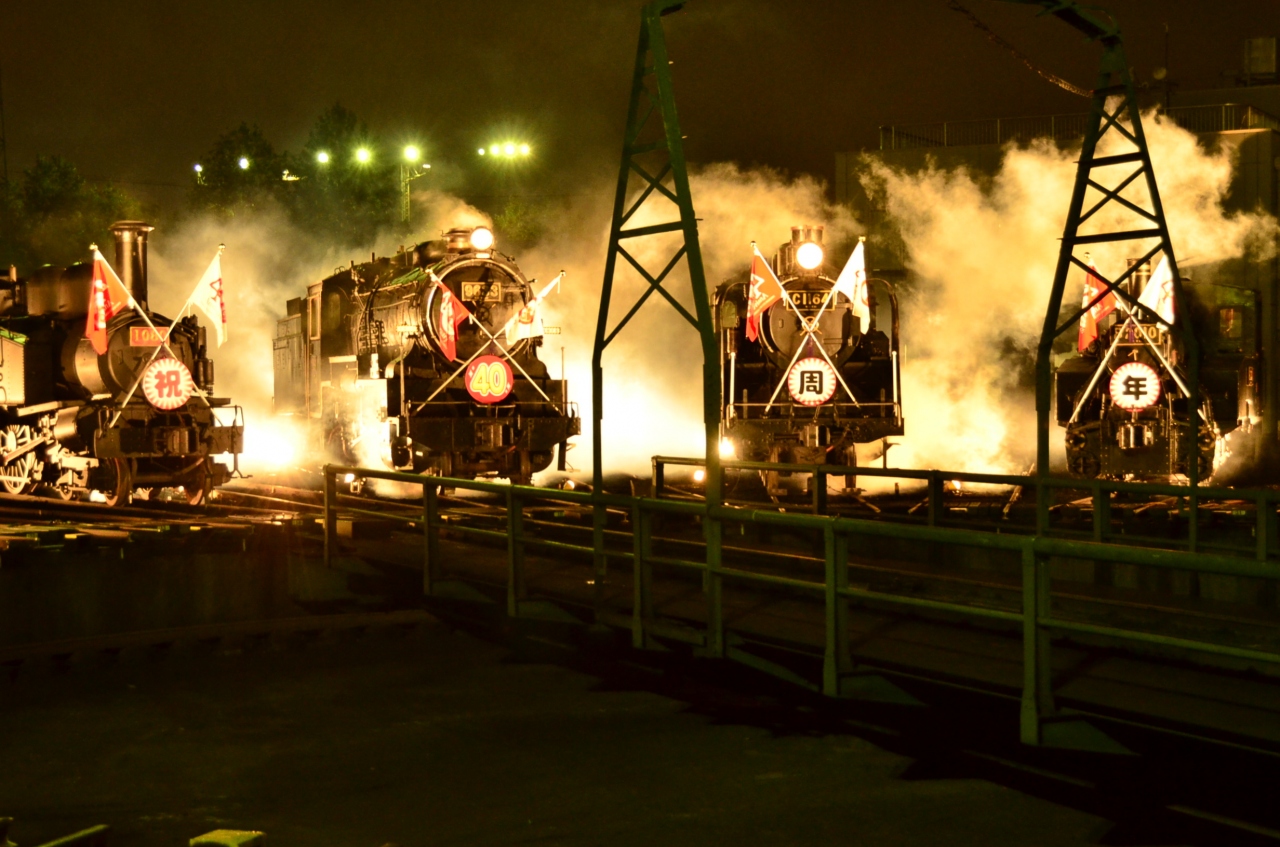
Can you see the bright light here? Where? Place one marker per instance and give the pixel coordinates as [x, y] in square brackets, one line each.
[509, 149]
[244, 163]
[482, 238]
[349, 478]
[727, 450]
[809, 255]
[481, 151]
[363, 155]
[412, 153]
[322, 157]
[524, 149]
[199, 168]
[426, 166]
[699, 475]
[494, 150]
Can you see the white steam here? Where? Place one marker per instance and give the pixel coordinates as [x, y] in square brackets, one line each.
[653, 368]
[984, 256]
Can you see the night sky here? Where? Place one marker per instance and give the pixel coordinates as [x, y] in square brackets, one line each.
[137, 92]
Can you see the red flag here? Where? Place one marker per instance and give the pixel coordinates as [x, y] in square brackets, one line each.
[763, 291]
[452, 313]
[1093, 286]
[107, 298]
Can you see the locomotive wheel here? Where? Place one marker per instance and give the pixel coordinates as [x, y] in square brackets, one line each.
[120, 481]
[21, 475]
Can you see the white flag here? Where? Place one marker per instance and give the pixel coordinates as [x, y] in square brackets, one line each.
[208, 297]
[528, 321]
[1157, 294]
[852, 283]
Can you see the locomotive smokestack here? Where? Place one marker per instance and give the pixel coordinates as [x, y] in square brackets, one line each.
[131, 256]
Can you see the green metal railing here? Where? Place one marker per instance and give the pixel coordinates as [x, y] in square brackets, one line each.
[1189, 501]
[834, 591]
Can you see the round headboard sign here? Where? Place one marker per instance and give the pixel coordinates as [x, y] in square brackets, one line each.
[489, 379]
[167, 384]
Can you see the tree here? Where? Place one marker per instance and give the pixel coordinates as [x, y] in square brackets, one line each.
[347, 197]
[240, 173]
[55, 215]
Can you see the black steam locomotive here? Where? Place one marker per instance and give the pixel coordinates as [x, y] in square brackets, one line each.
[1122, 397]
[804, 378]
[427, 360]
[73, 420]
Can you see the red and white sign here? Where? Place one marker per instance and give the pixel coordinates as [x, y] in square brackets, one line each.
[167, 384]
[489, 379]
[812, 381]
[1135, 386]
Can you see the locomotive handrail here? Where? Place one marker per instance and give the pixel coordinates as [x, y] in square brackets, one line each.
[1036, 620]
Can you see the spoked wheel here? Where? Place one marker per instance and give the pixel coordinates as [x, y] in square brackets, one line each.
[117, 481]
[197, 484]
[21, 475]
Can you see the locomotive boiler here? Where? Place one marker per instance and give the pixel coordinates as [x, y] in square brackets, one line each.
[427, 360]
[810, 363]
[74, 420]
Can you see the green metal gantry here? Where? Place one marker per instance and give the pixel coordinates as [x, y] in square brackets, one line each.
[653, 159]
[1114, 101]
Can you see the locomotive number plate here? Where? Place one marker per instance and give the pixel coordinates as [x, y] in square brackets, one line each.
[472, 290]
[489, 379]
[167, 384]
[145, 336]
[812, 381]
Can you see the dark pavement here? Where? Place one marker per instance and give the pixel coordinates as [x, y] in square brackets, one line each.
[426, 736]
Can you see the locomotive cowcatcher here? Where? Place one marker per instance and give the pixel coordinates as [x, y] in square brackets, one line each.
[816, 379]
[427, 360]
[73, 420]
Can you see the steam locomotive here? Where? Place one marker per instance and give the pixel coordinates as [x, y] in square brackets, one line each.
[427, 361]
[73, 421]
[1122, 397]
[816, 379]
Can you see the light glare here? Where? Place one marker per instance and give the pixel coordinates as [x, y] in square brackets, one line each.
[322, 157]
[727, 450]
[244, 163]
[199, 168]
[809, 255]
[482, 238]
[481, 151]
[509, 149]
[363, 155]
[412, 153]
[524, 149]
[699, 475]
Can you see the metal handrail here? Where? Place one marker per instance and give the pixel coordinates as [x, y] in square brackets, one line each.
[1035, 551]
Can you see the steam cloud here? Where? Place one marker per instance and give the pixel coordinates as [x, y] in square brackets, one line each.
[984, 257]
[982, 251]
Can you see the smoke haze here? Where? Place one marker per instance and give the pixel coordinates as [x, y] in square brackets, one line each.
[984, 252]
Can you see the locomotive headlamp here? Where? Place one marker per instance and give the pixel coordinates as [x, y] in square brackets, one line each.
[481, 238]
[809, 255]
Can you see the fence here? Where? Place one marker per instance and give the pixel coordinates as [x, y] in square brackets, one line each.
[1034, 549]
[1216, 118]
